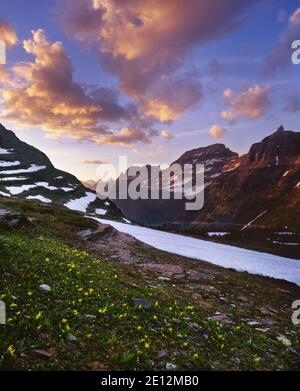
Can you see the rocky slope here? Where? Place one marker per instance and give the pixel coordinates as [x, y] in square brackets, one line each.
[26, 172]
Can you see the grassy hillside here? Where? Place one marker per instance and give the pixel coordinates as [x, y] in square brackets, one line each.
[88, 320]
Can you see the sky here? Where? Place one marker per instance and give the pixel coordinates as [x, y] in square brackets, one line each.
[87, 81]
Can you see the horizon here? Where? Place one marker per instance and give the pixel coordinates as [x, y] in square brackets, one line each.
[235, 77]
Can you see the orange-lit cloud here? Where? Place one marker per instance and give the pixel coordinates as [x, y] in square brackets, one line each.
[217, 132]
[145, 43]
[251, 103]
[166, 134]
[7, 33]
[43, 93]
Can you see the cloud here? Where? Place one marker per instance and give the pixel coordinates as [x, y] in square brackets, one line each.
[217, 132]
[251, 103]
[146, 44]
[43, 93]
[7, 33]
[166, 134]
[93, 161]
[292, 99]
[216, 67]
[125, 137]
[280, 56]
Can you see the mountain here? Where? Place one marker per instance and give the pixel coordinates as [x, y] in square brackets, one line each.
[26, 172]
[262, 185]
[90, 184]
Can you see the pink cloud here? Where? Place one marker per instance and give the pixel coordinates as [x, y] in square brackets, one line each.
[145, 43]
[43, 93]
[251, 103]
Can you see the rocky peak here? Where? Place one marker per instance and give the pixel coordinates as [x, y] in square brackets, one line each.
[278, 148]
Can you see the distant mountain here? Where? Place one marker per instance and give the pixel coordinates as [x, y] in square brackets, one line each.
[90, 184]
[26, 172]
[262, 185]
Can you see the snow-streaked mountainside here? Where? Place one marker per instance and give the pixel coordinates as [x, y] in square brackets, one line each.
[259, 189]
[26, 172]
[227, 256]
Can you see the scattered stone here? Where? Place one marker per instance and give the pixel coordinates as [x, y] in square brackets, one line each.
[253, 323]
[90, 316]
[194, 325]
[43, 353]
[45, 288]
[193, 275]
[164, 279]
[267, 322]
[284, 290]
[262, 330]
[162, 355]
[284, 340]
[208, 288]
[222, 318]
[166, 269]
[144, 303]
[171, 367]
[71, 338]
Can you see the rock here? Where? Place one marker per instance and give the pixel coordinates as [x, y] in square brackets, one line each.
[222, 318]
[194, 325]
[144, 303]
[43, 353]
[193, 275]
[166, 269]
[71, 338]
[171, 367]
[164, 279]
[284, 340]
[45, 288]
[253, 323]
[208, 288]
[162, 355]
[284, 290]
[90, 316]
[267, 322]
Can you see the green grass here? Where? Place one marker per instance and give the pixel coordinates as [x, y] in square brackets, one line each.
[120, 336]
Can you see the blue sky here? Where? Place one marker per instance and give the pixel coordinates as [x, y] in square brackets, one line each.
[240, 54]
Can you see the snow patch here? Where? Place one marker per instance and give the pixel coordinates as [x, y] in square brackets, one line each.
[100, 211]
[19, 189]
[4, 151]
[39, 197]
[32, 168]
[227, 256]
[9, 164]
[13, 178]
[4, 194]
[82, 203]
[46, 185]
[217, 233]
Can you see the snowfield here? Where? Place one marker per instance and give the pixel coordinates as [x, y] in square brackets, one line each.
[227, 256]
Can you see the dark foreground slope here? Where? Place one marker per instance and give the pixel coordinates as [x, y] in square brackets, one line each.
[197, 316]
